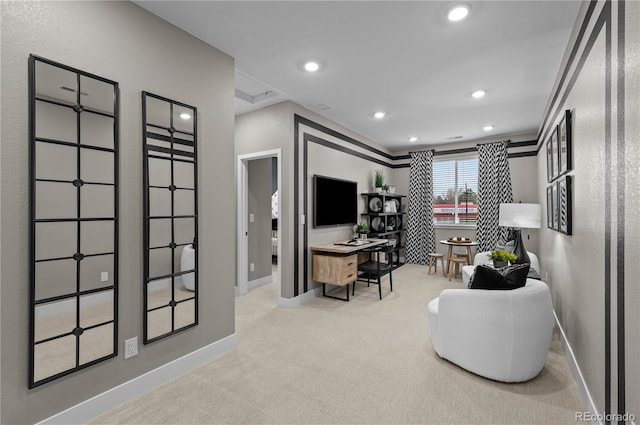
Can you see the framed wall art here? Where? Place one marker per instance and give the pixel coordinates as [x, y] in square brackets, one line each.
[564, 205]
[549, 160]
[554, 154]
[550, 206]
[564, 143]
[554, 208]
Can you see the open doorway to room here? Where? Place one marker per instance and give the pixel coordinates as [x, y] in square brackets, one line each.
[259, 234]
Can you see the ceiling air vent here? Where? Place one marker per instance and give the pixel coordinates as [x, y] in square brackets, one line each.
[454, 138]
[319, 107]
[255, 99]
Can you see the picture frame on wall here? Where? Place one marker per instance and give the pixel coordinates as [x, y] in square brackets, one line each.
[549, 160]
[554, 154]
[554, 208]
[564, 143]
[550, 207]
[564, 205]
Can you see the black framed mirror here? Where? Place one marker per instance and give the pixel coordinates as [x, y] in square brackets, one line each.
[170, 216]
[73, 154]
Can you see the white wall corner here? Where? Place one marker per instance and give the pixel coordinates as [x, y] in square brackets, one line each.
[89, 409]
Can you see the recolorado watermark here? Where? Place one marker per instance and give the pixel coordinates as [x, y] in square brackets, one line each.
[600, 418]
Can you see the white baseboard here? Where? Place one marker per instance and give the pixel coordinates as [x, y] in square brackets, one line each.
[102, 403]
[300, 299]
[577, 373]
[259, 282]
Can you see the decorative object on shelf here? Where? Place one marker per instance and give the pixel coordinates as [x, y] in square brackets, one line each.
[375, 204]
[73, 172]
[379, 180]
[502, 258]
[517, 216]
[377, 224]
[564, 143]
[564, 205]
[391, 223]
[391, 190]
[390, 207]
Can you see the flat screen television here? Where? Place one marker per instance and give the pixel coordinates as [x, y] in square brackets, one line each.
[335, 202]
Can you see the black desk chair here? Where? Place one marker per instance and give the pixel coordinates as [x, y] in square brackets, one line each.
[374, 269]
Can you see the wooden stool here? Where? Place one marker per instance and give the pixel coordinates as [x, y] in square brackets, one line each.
[457, 261]
[433, 261]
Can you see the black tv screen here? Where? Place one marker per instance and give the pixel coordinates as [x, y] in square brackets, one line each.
[335, 201]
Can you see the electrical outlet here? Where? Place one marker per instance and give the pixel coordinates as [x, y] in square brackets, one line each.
[252, 267]
[252, 218]
[131, 347]
[104, 276]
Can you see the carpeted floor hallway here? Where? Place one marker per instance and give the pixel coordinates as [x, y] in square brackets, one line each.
[362, 362]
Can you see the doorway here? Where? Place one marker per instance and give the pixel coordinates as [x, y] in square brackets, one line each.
[245, 217]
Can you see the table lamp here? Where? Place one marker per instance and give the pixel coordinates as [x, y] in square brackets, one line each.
[520, 216]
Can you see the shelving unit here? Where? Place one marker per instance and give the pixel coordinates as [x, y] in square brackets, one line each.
[386, 219]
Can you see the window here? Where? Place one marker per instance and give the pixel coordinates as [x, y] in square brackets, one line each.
[455, 191]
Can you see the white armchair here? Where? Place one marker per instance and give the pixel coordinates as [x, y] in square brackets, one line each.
[503, 335]
[485, 258]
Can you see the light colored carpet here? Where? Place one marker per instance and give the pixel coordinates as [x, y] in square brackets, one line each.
[362, 362]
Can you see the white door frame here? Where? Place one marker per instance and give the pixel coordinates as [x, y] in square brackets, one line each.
[243, 218]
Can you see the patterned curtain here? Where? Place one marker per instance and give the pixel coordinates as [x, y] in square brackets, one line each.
[421, 235]
[494, 188]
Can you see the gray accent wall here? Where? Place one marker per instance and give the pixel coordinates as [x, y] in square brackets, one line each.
[122, 42]
[593, 274]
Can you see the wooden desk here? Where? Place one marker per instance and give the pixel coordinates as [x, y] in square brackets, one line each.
[340, 247]
[337, 263]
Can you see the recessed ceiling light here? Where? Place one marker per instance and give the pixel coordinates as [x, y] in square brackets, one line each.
[413, 139]
[185, 116]
[487, 128]
[478, 94]
[458, 13]
[379, 115]
[311, 66]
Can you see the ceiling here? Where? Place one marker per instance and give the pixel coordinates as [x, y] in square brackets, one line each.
[404, 58]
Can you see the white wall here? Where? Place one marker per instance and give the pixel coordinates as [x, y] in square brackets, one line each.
[122, 42]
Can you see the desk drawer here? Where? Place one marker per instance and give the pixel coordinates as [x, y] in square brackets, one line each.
[335, 270]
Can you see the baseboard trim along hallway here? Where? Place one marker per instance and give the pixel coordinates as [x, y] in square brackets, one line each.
[102, 403]
[577, 373]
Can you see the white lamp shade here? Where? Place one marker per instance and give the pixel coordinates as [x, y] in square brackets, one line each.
[520, 215]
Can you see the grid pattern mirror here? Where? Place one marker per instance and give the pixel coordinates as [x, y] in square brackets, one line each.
[170, 210]
[73, 132]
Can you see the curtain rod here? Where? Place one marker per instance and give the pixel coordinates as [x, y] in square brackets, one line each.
[435, 151]
[488, 143]
[427, 150]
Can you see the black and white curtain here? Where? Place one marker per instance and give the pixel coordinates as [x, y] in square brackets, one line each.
[421, 235]
[494, 188]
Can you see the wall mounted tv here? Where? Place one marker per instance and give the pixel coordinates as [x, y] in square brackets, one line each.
[335, 202]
